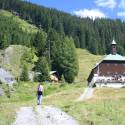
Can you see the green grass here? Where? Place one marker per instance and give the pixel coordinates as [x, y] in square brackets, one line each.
[22, 94]
[106, 107]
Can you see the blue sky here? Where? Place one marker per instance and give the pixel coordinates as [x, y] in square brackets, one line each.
[88, 8]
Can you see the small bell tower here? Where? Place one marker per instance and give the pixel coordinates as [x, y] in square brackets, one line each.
[113, 48]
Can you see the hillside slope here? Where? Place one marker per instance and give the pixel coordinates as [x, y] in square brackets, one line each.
[91, 35]
[15, 30]
[12, 58]
[86, 62]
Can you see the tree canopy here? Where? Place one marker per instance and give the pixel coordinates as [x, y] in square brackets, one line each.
[93, 35]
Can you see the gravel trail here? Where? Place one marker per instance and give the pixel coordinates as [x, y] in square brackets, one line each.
[26, 116]
[43, 116]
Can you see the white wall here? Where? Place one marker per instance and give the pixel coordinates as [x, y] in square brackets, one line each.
[112, 85]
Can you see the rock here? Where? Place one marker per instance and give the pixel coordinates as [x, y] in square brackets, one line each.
[1, 92]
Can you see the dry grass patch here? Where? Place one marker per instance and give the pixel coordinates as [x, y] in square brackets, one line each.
[109, 94]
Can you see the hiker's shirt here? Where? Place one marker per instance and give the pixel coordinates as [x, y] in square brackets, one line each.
[40, 90]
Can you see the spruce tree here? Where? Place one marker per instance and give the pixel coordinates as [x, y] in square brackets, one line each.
[40, 42]
[69, 60]
[65, 58]
[42, 70]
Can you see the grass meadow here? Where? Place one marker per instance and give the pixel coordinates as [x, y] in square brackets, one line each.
[105, 108]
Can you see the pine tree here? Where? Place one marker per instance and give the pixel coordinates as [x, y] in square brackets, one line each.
[24, 75]
[4, 41]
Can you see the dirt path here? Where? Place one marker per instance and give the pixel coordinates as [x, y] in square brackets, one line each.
[43, 116]
[87, 94]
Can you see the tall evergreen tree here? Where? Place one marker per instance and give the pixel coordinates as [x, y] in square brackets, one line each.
[69, 60]
[65, 59]
[42, 70]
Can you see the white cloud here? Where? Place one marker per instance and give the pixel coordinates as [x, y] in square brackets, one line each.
[92, 13]
[121, 14]
[122, 4]
[106, 3]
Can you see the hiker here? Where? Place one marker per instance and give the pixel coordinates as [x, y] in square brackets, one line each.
[39, 94]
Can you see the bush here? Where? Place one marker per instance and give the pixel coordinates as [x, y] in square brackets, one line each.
[62, 79]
